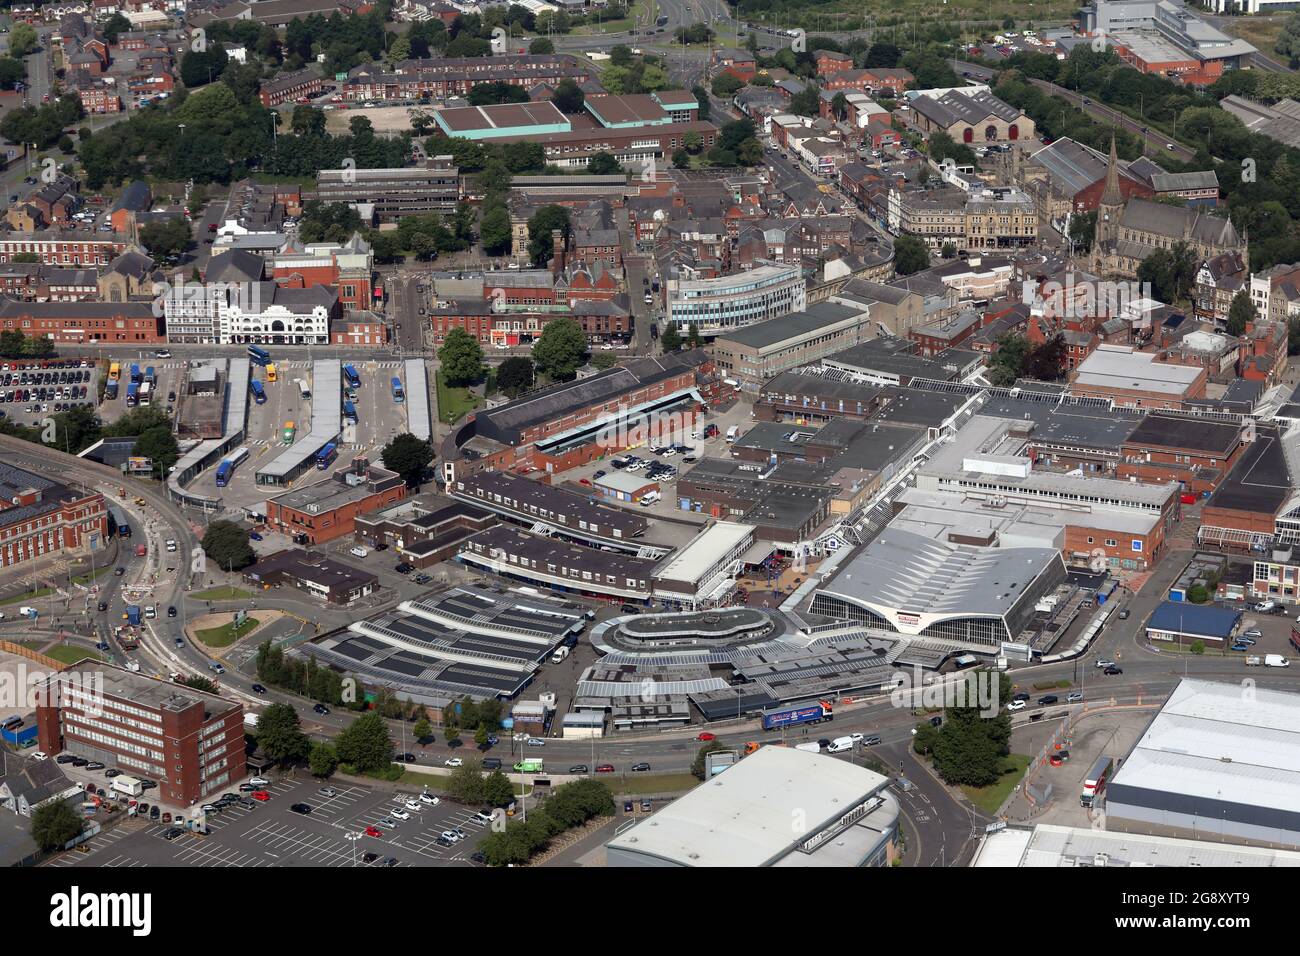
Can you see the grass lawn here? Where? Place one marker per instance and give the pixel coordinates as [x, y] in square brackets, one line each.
[92, 576]
[455, 403]
[990, 798]
[223, 594]
[71, 653]
[27, 595]
[1258, 31]
[226, 634]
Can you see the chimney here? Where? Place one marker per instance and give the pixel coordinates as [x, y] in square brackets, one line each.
[557, 250]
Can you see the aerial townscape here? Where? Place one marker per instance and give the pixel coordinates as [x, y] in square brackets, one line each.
[590, 434]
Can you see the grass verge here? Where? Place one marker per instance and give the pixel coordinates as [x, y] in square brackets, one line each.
[226, 634]
[990, 798]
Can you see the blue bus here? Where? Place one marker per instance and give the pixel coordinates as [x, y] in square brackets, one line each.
[325, 457]
[349, 373]
[132, 395]
[399, 396]
[149, 376]
[259, 393]
[135, 374]
[259, 356]
[349, 411]
[227, 467]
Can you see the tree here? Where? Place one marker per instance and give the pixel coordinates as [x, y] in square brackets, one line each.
[1008, 360]
[697, 765]
[1198, 647]
[498, 791]
[970, 747]
[322, 759]
[882, 54]
[603, 164]
[409, 456]
[481, 735]
[1240, 312]
[560, 350]
[541, 227]
[462, 358]
[115, 26]
[280, 735]
[495, 231]
[725, 86]
[1045, 362]
[365, 744]
[423, 731]
[199, 682]
[604, 360]
[671, 339]
[926, 736]
[54, 824]
[166, 239]
[910, 255]
[681, 159]
[568, 97]
[226, 544]
[541, 46]
[22, 39]
[516, 375]
[158, 444]
[1083, 229]
[12, 72]
[465, 783]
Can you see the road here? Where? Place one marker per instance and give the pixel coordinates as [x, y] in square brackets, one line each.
[1154, 142]
[404, 305]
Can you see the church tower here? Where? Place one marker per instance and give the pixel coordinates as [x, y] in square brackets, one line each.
[1109, 211]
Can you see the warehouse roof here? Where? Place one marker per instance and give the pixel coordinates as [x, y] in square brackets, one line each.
[911, 573]
[741, 817]
[1260, 481]
[1212, 741]
[1197, 434]
[1201, 620]
[704, 551]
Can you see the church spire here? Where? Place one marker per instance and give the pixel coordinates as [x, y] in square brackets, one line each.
[1112, 196]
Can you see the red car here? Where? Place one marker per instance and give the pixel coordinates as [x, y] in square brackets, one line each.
[707, 736]
[374, 832]
[605, 768]
[1055, 760]
[260, 795]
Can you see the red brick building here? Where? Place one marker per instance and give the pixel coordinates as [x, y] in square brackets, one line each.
[61, 248]
[84, 321]
[359, 328]
[1195, 453]
[40, 517]
[189, 742]
[328, 509]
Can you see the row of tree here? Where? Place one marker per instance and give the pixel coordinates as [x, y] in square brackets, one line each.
[568, 807]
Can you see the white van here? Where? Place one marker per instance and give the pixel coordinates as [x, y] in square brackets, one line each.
[560, 654]
[839, 745]
[732, 434]
[359, 552]
[1276, 660]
